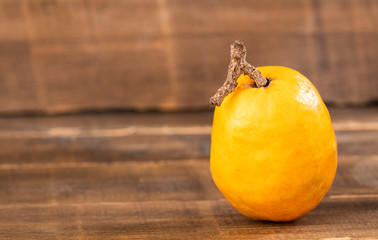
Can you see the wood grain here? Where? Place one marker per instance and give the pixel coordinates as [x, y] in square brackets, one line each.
[67, 56]
[184, 180]
[212, 219]
[135, 137]
[83, 186]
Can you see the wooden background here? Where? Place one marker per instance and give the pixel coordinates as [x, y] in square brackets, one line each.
[147, 176]
[73, 55]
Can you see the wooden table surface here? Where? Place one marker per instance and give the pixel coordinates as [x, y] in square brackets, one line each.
[146, 176]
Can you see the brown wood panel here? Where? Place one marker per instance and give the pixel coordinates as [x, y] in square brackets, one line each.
[328, 42]
[214, 219]
[12, 24]
[67, 56]
[86, 182]
[184, 180]
[108, 146]
[17, 86]
[75, 177]
[147, 137]
[168, 200]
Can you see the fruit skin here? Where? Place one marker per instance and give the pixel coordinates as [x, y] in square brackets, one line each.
[273, 149]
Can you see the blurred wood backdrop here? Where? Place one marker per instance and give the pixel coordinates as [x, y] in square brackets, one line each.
[73, 55]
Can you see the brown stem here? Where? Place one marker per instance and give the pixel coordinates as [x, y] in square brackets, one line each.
[238, 65]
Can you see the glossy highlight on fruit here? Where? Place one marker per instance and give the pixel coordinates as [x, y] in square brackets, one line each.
[273, 148]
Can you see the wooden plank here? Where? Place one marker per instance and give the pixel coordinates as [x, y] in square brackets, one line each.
[340, 116]
[17, 80]
[88, 182]
[310, 36]
[18, 90]
[142, 148]
[184, 180]
[167, 200]
[75, 177]
[172, 55]
[148, 137]
[213, 219]
[10, 18]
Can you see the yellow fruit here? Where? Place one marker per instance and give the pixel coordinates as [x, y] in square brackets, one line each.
[273, 149]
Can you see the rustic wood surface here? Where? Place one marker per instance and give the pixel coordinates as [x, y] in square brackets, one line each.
[146, 176]
[75, 55]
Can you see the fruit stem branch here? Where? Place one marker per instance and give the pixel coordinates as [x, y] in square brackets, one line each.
[238, 65]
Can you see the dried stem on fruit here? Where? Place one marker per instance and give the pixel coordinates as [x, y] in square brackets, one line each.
[238, 65]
